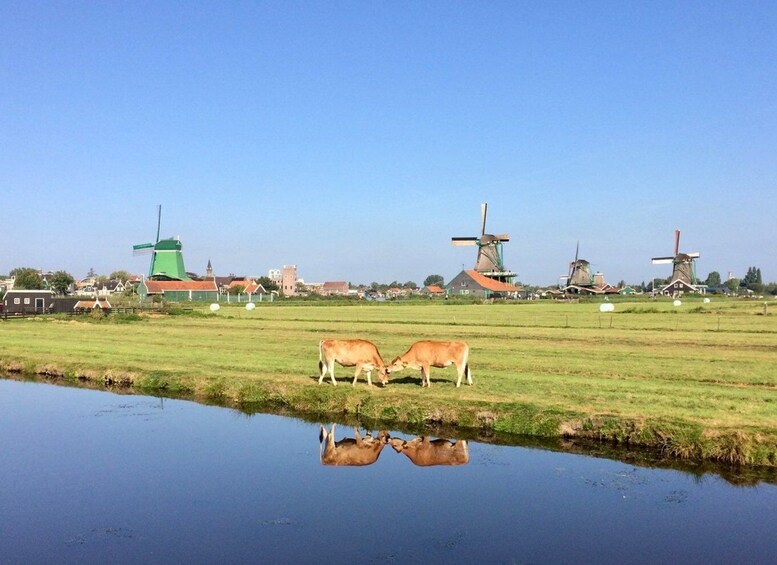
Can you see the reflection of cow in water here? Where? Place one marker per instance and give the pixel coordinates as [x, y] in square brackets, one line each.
[425, 452]
[351, 451]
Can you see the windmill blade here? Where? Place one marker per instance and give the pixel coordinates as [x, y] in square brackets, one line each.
[676, 241]
[694, 255]
[459, 241]
[142, 249]
[502, 237]
[158, 220]
[483, 212]
[662, 260]
[573, 266]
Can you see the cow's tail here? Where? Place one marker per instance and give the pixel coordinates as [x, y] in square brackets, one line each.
[467, 374]
[321, 357]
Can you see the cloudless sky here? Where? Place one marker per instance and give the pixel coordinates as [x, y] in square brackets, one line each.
[354, 139]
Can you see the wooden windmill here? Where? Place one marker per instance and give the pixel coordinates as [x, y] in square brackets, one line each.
[166, 256]
[579, 272]
[490, 259]
[683, 268]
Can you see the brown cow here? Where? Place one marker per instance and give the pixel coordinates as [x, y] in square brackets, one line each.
[355, 451]
[426, 354]
[349, 353]
[425, 452]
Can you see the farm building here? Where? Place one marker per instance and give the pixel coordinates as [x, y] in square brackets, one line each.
[28, 301]
[473, 283]
[86, 305]
[179, 291]
[335, 288]
[432, 290]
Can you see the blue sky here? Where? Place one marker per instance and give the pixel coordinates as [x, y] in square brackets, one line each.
[354, 139]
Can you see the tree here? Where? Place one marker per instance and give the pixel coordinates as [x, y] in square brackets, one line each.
[713, 279]
[120, 276]
[60, 282]
[411, 285]
[27, 278]
[237, 289]
[753, 280]
[434, 280]
[267, 283]
[732, 284]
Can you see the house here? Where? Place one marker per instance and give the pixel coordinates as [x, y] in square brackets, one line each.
[248, 286]
[89, 305]
[432, 290]
[179, 291]
[680, 286]
[110, 287]
[28, 301]
[471, 282]
[335, 288]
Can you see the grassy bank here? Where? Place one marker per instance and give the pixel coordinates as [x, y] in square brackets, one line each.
[697, 382]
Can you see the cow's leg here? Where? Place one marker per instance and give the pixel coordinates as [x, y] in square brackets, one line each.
[469, 374]
[331, 364]
[323, 367]
[369, 377]
[356, 375]
[459, 375]
[426, 374]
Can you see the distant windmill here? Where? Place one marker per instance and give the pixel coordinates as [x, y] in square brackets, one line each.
[490, 259]
[683, 268]
[579, 272]
[166, 256]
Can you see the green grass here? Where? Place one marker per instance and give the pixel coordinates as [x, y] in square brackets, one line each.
[696, 382]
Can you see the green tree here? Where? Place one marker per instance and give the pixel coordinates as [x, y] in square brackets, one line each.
[267, 283]
[411, 285]
[753, 280]
[120, 276]
[60, 282]
[27, 278]
[434, 279]
[237, 289]
[713, 279]
[732, 284]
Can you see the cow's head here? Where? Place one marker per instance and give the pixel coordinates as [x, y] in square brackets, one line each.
[383, 373]
[398, 444]
[396, 365]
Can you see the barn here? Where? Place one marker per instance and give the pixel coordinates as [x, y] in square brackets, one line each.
[28, 301]
[180, 291]
[473, 283]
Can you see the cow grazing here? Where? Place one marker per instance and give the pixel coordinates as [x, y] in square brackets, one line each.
[358, 353]
[426, 354]
[425, 452]
[355, 451]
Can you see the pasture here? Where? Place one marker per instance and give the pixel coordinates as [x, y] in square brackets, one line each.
[699, 381]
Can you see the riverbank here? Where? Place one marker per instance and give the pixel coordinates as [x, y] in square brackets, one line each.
[694, 383]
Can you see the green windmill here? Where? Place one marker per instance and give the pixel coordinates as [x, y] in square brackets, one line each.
[166, 256]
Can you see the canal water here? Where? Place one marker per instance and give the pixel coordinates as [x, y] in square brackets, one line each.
[95, 477]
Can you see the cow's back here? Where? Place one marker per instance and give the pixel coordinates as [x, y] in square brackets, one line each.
[349, 351]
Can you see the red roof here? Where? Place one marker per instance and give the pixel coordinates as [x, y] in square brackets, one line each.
[161, 286]
[434, 289]
[491, 284]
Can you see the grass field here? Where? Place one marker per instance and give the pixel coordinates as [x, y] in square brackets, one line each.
[699, 381]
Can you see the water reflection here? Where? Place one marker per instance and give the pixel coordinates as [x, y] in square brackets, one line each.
[426, 453]
[361, 450]
[351, 451]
